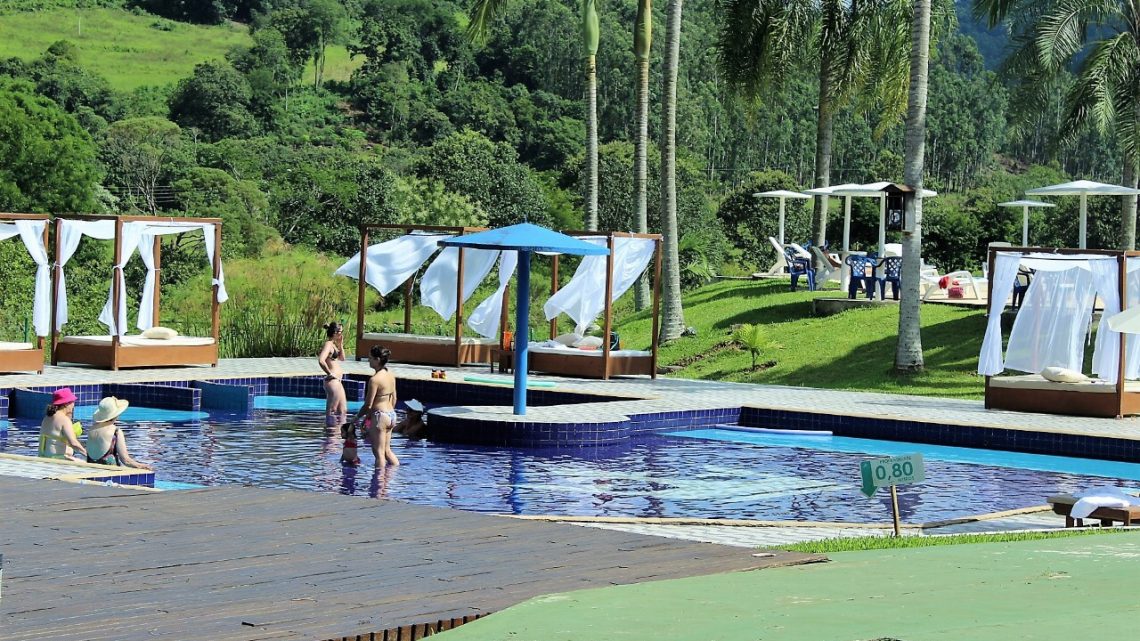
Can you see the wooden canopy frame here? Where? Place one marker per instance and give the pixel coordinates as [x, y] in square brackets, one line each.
[585, 365]
[406, 347]
[114, 354]
[1067, 398]
[25, 360]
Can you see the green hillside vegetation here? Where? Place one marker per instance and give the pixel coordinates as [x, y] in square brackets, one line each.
[132, 50]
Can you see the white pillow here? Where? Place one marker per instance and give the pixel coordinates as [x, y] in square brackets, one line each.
[1062, 375]
[589, 342]
[160, 333]
[567, 339]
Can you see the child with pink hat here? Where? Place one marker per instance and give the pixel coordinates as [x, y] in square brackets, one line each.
[57, 432]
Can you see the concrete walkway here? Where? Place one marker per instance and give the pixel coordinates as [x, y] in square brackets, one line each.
[1058, 589]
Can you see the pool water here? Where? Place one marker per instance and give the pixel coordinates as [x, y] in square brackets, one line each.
[700, 474]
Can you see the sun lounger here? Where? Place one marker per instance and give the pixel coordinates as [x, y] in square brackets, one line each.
[1063, 504]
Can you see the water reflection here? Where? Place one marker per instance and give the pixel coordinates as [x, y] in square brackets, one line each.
[663, 476]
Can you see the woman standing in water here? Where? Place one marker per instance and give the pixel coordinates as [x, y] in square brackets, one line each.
[330, 357]
[379, 407]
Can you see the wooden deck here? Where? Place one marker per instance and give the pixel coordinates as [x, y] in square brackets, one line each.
[89, 562]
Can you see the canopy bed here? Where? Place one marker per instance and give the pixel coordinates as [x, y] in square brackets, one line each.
[1052, 328]
[445, 286]
[598, 281]
[117, 350]
[32, 230]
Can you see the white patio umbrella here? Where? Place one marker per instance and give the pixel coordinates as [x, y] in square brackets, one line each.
[1084, 189]
[869, 190]
[782, 194]
[834, 190]
[1025, 205]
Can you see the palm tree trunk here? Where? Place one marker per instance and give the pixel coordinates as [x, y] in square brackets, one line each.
[591, 143]
[1128, 204]
[673, 317]
[824, 137]
[908, 354]
[642, 34]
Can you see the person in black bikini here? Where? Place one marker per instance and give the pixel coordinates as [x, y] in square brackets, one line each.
[106, 437]
[379, 409]
[329, 358]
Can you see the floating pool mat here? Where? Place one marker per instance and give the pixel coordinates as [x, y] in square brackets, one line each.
[506, 382]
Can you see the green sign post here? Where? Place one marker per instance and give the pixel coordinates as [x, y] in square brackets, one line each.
[889, 472]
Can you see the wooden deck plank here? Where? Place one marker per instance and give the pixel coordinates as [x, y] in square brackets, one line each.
[102, 563]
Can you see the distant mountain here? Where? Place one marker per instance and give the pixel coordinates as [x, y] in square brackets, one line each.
[992, 43]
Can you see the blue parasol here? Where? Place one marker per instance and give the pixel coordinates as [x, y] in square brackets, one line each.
[524, 238]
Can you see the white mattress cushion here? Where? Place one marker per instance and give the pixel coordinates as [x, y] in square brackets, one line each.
[12, 347]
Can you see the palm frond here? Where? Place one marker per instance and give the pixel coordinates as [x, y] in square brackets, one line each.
[483, 13]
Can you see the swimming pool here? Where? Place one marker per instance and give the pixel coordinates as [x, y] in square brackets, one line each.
[715, 473]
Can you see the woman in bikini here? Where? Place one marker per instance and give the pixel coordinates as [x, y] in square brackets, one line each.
[330, 356]
[379, 409]
[57, 435]
[106, 444]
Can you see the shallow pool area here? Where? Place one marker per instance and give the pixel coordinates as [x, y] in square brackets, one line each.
[717, 473]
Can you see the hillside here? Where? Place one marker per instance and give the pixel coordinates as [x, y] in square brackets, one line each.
[132, 50]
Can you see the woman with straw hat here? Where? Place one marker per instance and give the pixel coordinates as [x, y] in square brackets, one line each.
[58, 436]
[106, 437]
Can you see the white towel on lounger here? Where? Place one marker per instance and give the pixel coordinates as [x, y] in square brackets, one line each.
[1103, 496]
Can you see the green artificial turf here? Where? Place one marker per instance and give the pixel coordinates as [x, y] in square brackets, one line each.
[852, 544]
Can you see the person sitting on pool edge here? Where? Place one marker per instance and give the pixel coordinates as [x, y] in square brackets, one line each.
[106, 437]
[413, 426]
[58, 436]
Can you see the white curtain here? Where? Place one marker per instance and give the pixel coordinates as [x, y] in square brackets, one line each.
[437, 289]
[116, 321]
[584, 297]
[8, 230]
[1132, 341]
[70, 233]
[145, 246]
[1053, 321]
[485, 319]
[1106, 355]
[32, 233]
[392, 263]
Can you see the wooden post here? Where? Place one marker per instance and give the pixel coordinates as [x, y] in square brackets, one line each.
[459, 310]
[156, 251]
[215, 306]
[47, 250]
[362, 271]
[116, 293]
[408, 297]
[656, 306]
[57, 271]
[608, 310]
[553, 289]
[895, 511]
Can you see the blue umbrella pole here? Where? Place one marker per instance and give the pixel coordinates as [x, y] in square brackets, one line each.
[522, 332]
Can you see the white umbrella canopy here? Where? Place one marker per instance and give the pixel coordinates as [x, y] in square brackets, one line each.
[1025, 205]
[868, 190]
[1084, 189]
[782, 194]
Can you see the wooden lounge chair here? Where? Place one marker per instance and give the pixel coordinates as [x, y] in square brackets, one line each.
[1063, 504]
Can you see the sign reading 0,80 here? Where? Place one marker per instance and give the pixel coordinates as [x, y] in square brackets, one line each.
[896, 470]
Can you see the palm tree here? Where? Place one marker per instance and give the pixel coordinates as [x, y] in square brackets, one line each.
[857, 48]
[1106, 93]
[673, 316]
[908, 352]
[642, 41]
[482, 12]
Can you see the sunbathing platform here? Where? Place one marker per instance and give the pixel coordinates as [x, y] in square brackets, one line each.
[297, 565]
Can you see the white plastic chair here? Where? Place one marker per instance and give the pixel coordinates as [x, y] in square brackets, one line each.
[827, 267]
[931, 278]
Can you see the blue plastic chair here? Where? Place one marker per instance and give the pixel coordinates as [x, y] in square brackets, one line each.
[861, 266]
[892, 273]
[799, 266]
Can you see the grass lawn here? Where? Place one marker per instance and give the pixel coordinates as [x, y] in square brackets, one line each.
[131, 50]
[853, 350]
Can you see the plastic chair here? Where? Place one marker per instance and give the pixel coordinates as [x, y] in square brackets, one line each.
[892, 273]
[862, 274]
[797, 267]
